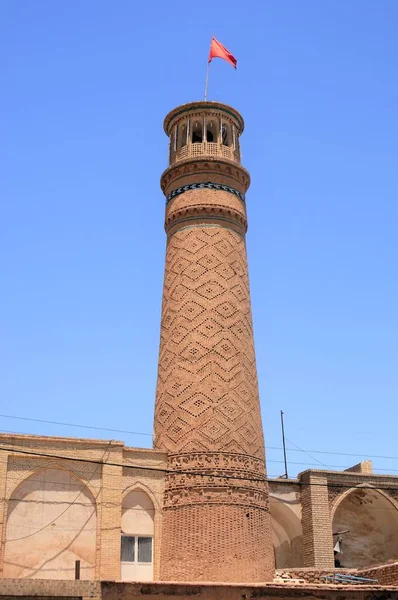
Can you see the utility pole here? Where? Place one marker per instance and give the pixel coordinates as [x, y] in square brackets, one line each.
[284, 445]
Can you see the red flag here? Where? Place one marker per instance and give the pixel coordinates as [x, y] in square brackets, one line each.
[217, 50]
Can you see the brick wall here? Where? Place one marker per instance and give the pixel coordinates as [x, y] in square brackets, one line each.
[3, 505]
[109, 567]
[151, 482]
[311, 575]
[173, 591]
[363, 467]
[107, 483]
[385, 574]
[316, 522]
[84, 590]
[46, 588]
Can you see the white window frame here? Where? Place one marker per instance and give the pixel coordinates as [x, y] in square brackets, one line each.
[136, 536]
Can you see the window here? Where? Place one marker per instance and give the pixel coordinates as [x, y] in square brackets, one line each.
[211, 133]
[182, 140]
[225, 135]
[136, 549]
[197, 134]
[144, 549]
[127, 553]
[175, 137]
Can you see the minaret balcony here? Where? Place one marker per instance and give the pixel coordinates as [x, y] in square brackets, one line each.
[205, 149]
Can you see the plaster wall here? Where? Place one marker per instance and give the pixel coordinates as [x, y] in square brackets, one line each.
[285, 508]
[51, 523]
[62, 502]
[38, 541]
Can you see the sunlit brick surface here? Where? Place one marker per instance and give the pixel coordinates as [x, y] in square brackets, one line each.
[216, 524]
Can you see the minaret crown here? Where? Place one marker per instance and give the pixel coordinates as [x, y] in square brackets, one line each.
[204, 129]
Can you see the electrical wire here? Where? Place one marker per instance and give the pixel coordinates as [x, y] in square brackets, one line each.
[308, 454]
[268, 460]
[126, 431]
[192, 472]
[74, 425]
[68, 507]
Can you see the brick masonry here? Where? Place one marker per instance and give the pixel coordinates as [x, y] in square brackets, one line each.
[174, 591]
[79, 590]
[316, 522]
[108, 485]
[385, 574]
[207, 412]
[44, 588]
[211, 510]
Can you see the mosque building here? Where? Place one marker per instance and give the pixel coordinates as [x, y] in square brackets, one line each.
[196, 514]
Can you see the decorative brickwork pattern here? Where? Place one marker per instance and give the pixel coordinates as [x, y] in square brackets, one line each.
[208, 401]
[207, 397]
[339, 484]
[208, 186]
[216, 523]
[334, 492]
[237, 479]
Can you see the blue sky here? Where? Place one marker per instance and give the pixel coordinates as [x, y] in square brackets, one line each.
[85, 87]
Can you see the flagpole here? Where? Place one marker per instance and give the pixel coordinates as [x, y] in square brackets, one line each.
[207, 80]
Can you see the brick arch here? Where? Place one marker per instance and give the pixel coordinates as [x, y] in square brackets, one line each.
[371, 517]
[340, 497]
[139, 486]
[143, 521]
[51, 522]
[57, 466]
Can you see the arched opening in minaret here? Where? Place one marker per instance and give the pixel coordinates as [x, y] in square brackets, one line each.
[182, 138]
[225, 134]
[369, 520]
[197, 132]
[211, 131]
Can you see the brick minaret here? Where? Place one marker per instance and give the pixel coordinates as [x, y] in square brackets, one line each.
[216, 524]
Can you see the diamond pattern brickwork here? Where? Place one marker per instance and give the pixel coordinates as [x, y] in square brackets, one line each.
[207, 363]
[216, 523]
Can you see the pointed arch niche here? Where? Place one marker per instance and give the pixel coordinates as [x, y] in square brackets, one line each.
[137, 542]
[51, 523]
[372, 520]
[287, 535]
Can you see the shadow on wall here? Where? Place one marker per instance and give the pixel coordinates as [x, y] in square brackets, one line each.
[372, 520]
[51, 523]
[287, 535]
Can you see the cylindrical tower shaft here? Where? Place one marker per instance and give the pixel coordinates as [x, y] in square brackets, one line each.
[216, 524]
